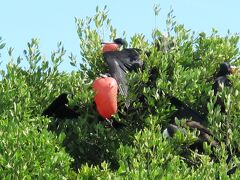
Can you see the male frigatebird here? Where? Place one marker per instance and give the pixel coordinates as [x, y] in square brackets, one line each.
[121, 62]
[105, 100]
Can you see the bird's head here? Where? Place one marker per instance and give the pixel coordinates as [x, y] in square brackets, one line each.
[62, 98]
[226, 69]
[171, 130]
[114, 46]
[120, 42]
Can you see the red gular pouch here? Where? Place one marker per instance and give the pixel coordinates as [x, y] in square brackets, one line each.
[109, 47]
[106, 90]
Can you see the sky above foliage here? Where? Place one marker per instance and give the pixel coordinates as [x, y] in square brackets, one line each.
[53, 21]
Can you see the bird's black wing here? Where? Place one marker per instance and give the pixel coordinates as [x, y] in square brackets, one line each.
[130, 58]
[61, 100]
[117, 71]
[205, 134]
[59, 109]
[198, 126]
[65, 112]
[184, 111]
[121, 62]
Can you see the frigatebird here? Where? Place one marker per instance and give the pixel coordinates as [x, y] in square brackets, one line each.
[204, 136]
[59, 109]
[220, 80]
[184, 111]
[221, 76]
[105, 100]
[121, 62]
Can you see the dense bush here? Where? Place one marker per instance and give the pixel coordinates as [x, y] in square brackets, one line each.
[83, 148]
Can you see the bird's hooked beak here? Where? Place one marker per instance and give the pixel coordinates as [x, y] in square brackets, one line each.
[104, 43]
[234, 69]
[108, 43]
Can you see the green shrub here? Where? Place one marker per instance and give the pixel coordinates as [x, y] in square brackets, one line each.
[84, 149]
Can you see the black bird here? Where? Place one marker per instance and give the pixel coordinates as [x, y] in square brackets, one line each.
[184, 111]
[59, 109]
[233, 170]
[222, 79]
[122, 62]
[204, 136]
[225, 69]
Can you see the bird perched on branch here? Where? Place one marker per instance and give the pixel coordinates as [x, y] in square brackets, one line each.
[220, 80]
[59, 108]
[184, 111]
[204, 136]
[120, 62]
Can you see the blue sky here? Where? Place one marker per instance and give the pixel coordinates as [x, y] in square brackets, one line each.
[53, 20]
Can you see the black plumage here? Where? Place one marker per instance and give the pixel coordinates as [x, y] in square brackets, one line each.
[59, 109]
[121, 62]
[221, 77]
[224, 69]
[204, 136]
[121, 42]
[220, 80]
[232, 171]
[184, 111]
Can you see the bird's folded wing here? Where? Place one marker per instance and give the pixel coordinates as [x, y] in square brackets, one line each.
[118, 72]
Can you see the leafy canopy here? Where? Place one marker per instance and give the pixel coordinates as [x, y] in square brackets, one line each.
[83, 148]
